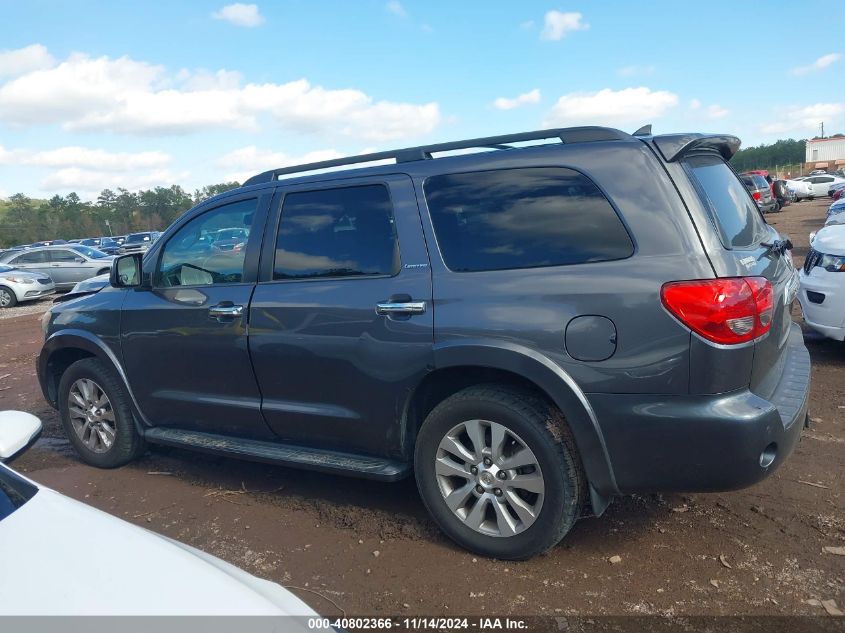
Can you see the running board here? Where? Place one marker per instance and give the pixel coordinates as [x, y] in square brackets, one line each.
[283, 454]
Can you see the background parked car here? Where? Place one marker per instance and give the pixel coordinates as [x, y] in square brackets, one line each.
[760, 190]
[43, 576]
[782, 193]
[820, 185]
[20, 285]
[65, 264]
[107, 245]
[138, 242]
[48, 243]
[800, 188]
[822, 278]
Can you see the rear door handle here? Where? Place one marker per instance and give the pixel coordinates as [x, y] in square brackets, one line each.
[390, 308]
[226, 310]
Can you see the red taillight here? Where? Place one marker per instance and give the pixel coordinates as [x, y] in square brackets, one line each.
[727, 311]
[756, 195]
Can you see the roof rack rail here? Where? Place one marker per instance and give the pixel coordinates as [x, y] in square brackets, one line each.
[424, 152]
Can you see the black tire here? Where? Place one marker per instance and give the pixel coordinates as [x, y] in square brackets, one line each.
[543, 429]
[9, 295]
[127, 443]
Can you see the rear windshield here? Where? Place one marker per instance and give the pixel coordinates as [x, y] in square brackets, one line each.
[733, 211]
[138, 237]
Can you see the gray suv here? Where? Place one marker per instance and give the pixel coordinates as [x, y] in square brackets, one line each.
[530, 330]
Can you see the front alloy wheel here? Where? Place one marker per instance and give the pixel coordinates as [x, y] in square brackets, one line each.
[91, 415]
[96, 414]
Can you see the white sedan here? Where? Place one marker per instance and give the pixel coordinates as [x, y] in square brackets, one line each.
[62, 557]
[800, 188]
[822, 292]
[20, 285]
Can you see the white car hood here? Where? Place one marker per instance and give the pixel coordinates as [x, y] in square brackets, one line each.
[62, 557]
[830, 240]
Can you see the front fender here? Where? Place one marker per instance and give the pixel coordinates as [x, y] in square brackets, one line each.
[76, 339]
[555, 383]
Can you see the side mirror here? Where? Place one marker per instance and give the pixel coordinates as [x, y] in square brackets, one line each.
[126, 271]
[79, 260]
[18, 431]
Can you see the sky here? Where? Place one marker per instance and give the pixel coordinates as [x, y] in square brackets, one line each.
[97, 94]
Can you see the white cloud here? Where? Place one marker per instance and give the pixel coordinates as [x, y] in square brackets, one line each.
[557, 24]
[716, 111]
[820, 64]
[127, 96]
[84, 157]
[503, 103]
[611, 107]
[635, 70]
[806, 119]
[694, 104]
[240, 14]
[248, 161]
[87, 170]
[87, 182]
[395, 7]
[23, 60]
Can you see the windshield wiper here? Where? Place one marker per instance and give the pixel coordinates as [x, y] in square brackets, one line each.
[779, 246]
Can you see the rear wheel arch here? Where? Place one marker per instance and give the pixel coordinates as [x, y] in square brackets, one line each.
[460, 366]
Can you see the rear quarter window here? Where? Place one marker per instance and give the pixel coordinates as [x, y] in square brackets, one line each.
[523, 218]
[732, 210]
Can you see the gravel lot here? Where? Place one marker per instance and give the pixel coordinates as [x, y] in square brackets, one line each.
[368, 548]
[36, 306]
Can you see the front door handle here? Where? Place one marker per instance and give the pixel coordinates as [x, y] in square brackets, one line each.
[393, 308]
[226, 310]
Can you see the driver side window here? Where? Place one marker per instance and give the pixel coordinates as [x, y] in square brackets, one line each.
[210, 249]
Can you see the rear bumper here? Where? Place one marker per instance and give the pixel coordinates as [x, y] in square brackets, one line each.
[705, 442]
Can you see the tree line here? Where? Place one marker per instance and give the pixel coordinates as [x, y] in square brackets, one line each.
[783, 152]
[24, 220]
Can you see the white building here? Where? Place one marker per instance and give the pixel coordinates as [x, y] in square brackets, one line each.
[826, 153]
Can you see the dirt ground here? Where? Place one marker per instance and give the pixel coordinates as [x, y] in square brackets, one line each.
[362, 547]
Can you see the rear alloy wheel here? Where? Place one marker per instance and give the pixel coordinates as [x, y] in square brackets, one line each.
[96, 415]
[7, 298]
[493, 482]
[498, 470]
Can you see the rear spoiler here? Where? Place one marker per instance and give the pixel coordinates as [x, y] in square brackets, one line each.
[674, 147]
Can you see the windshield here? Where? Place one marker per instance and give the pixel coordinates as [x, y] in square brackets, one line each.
[138, 237]
[14, 492]
[91, 253]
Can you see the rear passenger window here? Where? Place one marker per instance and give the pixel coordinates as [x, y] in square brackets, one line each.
[343, 232]
[732, 210]
[33, 257]
[523, 218]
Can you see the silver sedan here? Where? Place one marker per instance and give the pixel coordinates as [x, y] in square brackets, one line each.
[18, 285]
[66, 264]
